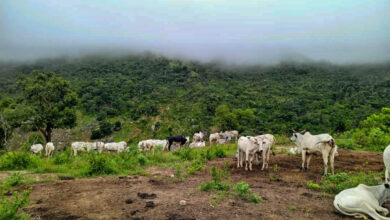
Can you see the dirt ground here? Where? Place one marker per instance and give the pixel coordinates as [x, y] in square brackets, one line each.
[157, 197]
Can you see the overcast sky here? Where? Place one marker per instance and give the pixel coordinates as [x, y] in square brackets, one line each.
[237, 31]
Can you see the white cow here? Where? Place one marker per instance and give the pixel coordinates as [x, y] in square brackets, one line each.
[198, 144]
[248, 146]
[116, 146]
[233, 134]
[86, 147]
[198, 137]
[265, 150]
[148, 145]
[363, 201]
[312, 144]
[49, 149]
[36, 148]
[214, 137]
[386, 160]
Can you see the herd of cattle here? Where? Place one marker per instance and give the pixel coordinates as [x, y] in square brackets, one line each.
[359, 202]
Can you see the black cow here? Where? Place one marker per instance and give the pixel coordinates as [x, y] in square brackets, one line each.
[182, 139]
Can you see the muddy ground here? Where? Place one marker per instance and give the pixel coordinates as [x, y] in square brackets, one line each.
[157, 196]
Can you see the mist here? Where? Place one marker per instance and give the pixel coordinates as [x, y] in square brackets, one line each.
[263, 31]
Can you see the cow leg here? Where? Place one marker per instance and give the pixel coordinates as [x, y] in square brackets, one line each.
[264, 159]
[308, 162]
[325, 155]
[246, 159]
[371, 211]
[303, 159]
[250, 162]
[387, 175]
[268, 153]
[331, 160]
[238, 158]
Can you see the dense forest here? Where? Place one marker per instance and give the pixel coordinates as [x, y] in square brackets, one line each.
[180, 96]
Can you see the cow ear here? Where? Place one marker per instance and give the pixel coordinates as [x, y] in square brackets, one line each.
[387, 185]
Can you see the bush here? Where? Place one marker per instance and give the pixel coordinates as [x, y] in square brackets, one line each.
[216, 184]
[35, 138]
[196, 165]
[100, 164]
[254, 198]
[18, 161]
[63, 158]
[9, 208]
[338, 182]
[142, 160]
[96, 134]
[312, 185]
[242, 189]
[13, 180]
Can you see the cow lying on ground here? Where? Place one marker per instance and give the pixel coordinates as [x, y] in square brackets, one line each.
[386, 160]
[363, 201]
[247, 146]
[36, 148]
[179, 139]
[49, 149]
[198, 137]
[311, 144]
[198, 144]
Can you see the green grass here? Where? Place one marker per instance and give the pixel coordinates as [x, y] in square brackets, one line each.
[125, 163]
[312, 185]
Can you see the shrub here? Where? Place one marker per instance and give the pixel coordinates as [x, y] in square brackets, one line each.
[18, 161]
[242, 189]
[340, 181]
[63, 158]
[196, 165]
[254, 198]
[142, 160]
[216, 184]
[96, 134]
[312, 185]
[9, 208]
[13, 180]
[100, 164]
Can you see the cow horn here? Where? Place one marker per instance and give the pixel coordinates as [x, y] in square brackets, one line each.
[293, 131]
[303, 131]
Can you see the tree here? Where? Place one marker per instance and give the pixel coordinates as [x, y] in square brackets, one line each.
[51, 100]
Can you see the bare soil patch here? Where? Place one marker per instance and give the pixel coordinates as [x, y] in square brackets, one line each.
[157, 197]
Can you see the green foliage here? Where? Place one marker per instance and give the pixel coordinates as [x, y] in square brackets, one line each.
[63, 158]
[254, 198]
[35, 138]
[105, 128]
[51, 101]
[336, 183]
[100, 164]
[242, 189]
[312, 185]
[18, 161]
[373, 133]
[9, 208]
[293, 208]
[142, 160]
[216, 184]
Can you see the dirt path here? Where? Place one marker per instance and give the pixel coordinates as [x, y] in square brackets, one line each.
[120, 198]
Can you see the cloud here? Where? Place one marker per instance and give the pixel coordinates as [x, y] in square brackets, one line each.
[263, 31]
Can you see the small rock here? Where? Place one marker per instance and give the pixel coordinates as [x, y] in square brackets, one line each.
[39, 201]
[129, 201]
[133, 212]
[146, 195]
[183, 202]
[172, 176]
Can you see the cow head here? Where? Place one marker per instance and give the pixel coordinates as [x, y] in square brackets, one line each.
[296, 135]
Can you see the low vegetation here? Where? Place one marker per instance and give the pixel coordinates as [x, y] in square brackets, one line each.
[10, 206]
[95, 164]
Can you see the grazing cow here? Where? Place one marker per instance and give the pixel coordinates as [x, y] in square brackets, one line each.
[198, 137]
[180, 139]
[363, 201]
[148, 145]
[248, 146]
[312, 144]
[386, 160]
[86, 147]
[214, 137]
[36, 148]
[233, 134]
[49, 149]
[222, 141]
[198, 144]
[116, 146]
